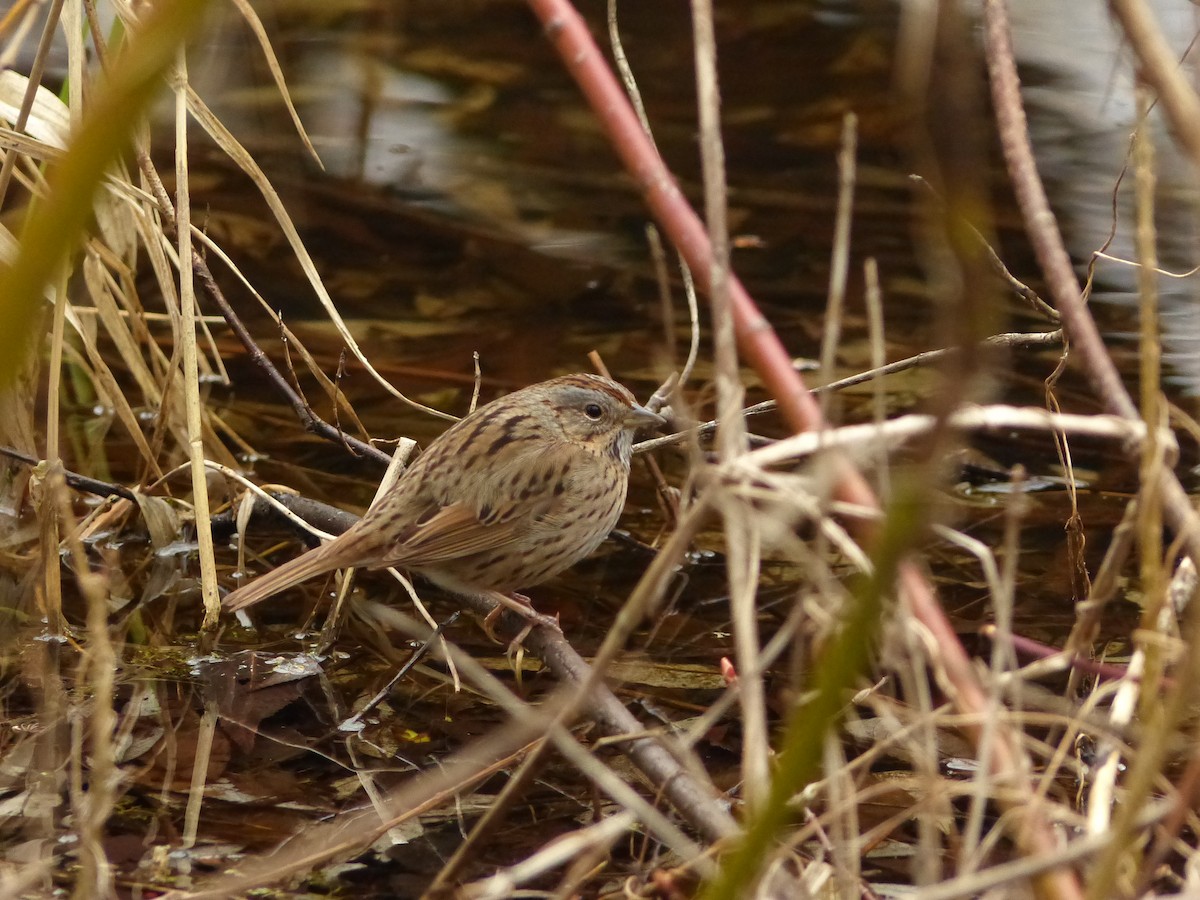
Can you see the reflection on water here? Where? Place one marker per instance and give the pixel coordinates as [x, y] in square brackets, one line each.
[1082, 112]
[467, 114]
[378, 124]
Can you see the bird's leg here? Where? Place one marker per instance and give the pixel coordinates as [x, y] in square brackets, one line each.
[521, 605]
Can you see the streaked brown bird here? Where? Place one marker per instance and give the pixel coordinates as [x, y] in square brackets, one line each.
[509, 496]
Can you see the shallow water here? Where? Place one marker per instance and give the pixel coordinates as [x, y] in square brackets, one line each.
[469, 205]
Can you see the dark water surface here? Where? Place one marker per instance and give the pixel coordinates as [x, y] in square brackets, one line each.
[469, 189]
[470, 204]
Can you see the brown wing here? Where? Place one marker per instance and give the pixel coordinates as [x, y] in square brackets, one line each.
[491, 510]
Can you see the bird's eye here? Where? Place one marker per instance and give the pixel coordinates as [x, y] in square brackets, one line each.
[593, 411]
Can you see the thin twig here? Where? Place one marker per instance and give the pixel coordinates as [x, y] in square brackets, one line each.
[308, 418]
[1024, 291]
[1015, 339]
[75, 480]
[839, 263]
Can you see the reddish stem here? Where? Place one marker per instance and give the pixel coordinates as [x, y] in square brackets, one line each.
[760, 347]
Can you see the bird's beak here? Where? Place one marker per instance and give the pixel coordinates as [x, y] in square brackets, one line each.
[640, 417]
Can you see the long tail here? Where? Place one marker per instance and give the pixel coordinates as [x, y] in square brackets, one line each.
[317, 561]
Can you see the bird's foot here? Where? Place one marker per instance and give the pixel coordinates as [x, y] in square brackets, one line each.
[521, 605]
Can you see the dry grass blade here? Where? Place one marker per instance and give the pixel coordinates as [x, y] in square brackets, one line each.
[193, 413]
[236, 152]
[264, 43]
[51, 231]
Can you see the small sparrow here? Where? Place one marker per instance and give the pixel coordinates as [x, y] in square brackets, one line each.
[508, 497]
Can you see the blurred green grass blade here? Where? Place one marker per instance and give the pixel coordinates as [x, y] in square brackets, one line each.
[845, 658]
[55, 224]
